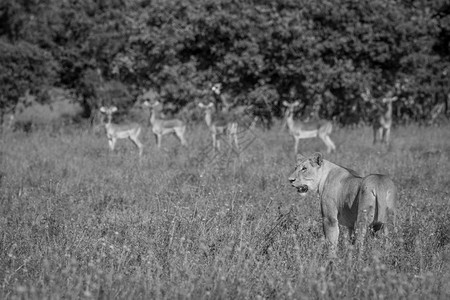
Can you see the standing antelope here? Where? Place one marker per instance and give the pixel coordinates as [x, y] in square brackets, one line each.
[383, 120]
[236, 115]
[219, 124]
[434, 113]
[217, 91]
[122, 131]
[8, 120]
[305, 130]
[162, 127]
[231, 116]
[237, 112]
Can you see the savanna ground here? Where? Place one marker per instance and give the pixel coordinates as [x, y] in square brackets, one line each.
[79, 222]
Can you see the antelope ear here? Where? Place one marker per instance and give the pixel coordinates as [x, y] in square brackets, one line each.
[317, 158]
[285, 103]
[113, 109]
[216, 87]
[103, 109]
[210, 104]
[296, 103]
[145, 103]
[201, 105]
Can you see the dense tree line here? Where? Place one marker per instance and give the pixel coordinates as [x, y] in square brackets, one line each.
[323, 53]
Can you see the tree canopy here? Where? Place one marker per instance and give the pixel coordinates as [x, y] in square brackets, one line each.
[323, 53]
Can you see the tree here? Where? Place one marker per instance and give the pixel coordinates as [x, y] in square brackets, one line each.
[24, 66]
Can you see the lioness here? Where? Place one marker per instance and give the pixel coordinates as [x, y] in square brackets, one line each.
[345, 197]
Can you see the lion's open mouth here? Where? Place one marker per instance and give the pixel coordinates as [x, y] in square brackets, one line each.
[302, 189]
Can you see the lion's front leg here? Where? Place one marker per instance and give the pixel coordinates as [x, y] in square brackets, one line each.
[331, 231]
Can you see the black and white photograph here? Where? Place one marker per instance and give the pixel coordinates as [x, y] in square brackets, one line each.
[224, 149]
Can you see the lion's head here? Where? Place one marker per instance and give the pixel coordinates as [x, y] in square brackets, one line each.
[305, 178]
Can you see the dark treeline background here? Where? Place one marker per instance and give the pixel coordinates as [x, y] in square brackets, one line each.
[324, 53]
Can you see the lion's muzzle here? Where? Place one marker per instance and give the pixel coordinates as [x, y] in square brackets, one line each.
[302, 188]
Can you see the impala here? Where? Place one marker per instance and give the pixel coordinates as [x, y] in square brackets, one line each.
[162, 127]
[383, 120]
[238, 112]
[219, 124]
[122, 131]
[236, 115]
[217, 91]
[8, 121]
[435, 112]
[305, 130]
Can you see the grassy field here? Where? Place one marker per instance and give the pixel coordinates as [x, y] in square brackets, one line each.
[79, 222]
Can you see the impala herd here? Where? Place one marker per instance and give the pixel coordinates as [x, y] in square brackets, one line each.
[222, 120]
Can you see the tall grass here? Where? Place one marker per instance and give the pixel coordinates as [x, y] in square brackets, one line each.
[79, 222]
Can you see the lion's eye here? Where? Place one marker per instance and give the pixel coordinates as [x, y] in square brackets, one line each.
[303, 169]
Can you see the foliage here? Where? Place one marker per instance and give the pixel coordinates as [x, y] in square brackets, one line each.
[23, 66]
[324, 53]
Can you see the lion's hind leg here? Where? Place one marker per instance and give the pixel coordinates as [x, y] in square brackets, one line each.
[384, 194]
[380, 217]
[385, 201]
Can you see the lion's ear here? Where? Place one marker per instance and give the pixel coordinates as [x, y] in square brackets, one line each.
[300, 157]
[317, 158]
